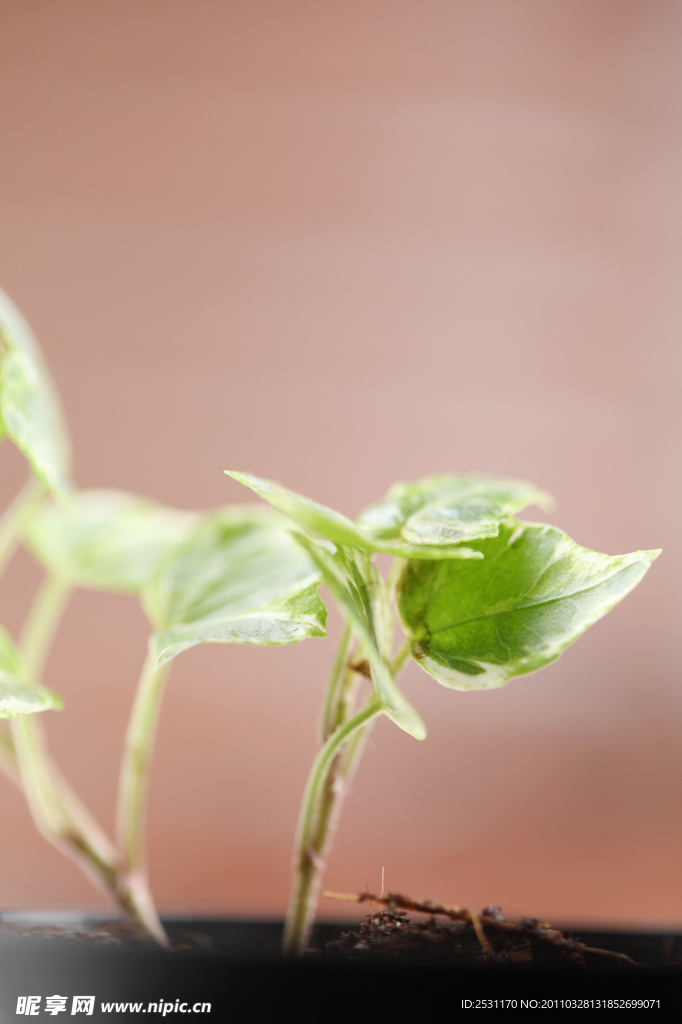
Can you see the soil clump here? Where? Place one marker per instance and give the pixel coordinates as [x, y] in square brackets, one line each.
[465, 939]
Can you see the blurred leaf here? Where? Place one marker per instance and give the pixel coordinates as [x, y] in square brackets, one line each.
[351, 592]
[29, 405]
[238, 578]
[475, 626]
[334, 526]
[448, 508]
[431, 552]
[25, 699]
[105, 539]
[18, 697]
[309, 514]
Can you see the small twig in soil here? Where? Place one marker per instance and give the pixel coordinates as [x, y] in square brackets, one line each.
[527, 928]
[480, 934]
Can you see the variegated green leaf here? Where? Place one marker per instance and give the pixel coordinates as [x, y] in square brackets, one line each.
[105, 539]
[25, 699]
[334, 526]
[29, 405]
[477, 625]
[17, 697]
[238, 578]
[448, 508]
[309, 514]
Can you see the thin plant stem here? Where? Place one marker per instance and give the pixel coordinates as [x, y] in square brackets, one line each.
[393, 578]
[330, 803]
[67, 825]
[57, 811]
[13, 519]
[337, 680]
[11, 525]
[400, 658]
[134, 777]
[8, 759]
[325, 790]
[27, 735]
[317, 811]
[41, 625]
[330, 797]
[336, 709]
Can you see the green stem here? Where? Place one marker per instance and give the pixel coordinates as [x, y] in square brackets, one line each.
[337, 681]
[328, 810]
[29, 744]
[41, 625]
[134, 776]
[401, 657]
[321, 800]
[68, 826]
[11, 525]
[13, 519]
[394, 575]
[57, 812]
[8, 759]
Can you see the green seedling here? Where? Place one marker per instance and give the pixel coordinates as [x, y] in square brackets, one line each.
[227, 576]
[30, 416]
[231, 576]
[479, 595]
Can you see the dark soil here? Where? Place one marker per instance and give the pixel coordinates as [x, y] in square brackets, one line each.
[114, 933]
[441, 936]
[104, 932]
[468, 940]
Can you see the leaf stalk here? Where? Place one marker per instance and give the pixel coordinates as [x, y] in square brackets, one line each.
[134, 781]
[57, 811]
[320, 807]
[14, 517]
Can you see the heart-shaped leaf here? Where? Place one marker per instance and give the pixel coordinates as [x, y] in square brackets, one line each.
[30, 409]
[334, 526]
[477, 625]
[448, 508]
[236, 579]
[105, 539]
[17, 697]
[351, 592]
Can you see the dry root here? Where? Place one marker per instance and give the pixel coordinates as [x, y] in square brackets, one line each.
[499, 939]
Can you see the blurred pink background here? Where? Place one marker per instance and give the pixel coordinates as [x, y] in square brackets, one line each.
[339, 244]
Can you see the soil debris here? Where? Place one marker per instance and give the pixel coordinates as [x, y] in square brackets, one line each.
[464, 939]
[114, 932]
